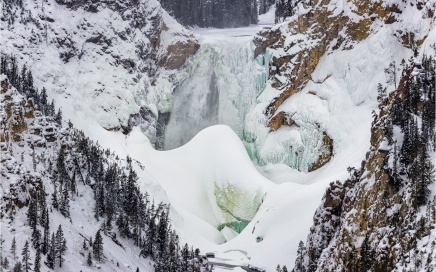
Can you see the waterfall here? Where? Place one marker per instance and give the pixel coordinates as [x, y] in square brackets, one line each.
[221, 85]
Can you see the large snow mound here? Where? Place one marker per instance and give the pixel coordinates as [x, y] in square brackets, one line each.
[211, 177]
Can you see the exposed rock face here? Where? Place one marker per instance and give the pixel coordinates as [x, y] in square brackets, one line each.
[279, 120]
[326, 153]
[116, 51]
[330, 30]
[317, 29]
[370, 222]
[177, 54]
[20, 122]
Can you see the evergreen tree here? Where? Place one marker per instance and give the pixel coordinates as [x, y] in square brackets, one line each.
[36, 238]
[64, 205]
[25, 257]
[5, 263]
[299, 265]
[37, 265]
[51, 254]
[60, 245]
[89, 259]
[424, 177]
[73, 184]
[31, 90]
[43, 101]
[23, 88]
[58, 117]
[46, 238]
[381, 93]
[54, 198]
[43, 219]
[17, 267]
[32, 212]
[97, 247]
[84, 246]
[391, 74]
[14, 248]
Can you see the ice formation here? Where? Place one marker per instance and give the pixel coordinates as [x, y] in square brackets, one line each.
[222, 83]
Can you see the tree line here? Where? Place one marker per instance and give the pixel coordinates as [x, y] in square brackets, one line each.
[213, 13]
[119, 205]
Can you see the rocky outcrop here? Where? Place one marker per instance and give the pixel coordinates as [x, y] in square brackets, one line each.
[372, 221]
[279, 120]
[326, 153]
[326, 29]
[177, 54]
[20, 122]
[124, 54]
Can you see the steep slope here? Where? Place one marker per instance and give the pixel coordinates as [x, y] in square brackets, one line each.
[382, 217]
[326, 61]
[112, 60]
[55, 180]
[311, 121]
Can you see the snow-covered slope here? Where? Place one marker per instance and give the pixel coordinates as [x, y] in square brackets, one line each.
[325, 64]
[103, 60]
[211, 178]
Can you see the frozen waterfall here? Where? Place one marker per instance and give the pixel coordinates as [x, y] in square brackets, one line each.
[222, 82]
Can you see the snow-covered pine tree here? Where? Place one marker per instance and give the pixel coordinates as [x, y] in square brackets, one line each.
[14, 248]
[89, 259]
[97, 247]
[60, 245]
[37, 264]
[51, 254]
[45, 244]
[25, 254]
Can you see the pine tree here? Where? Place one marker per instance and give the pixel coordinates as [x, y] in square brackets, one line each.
[36, 238]
[425, 177]
[58, 117]
[97, 247]
[299, 265]
[14, 248]
[381, 93]
[31, 89]
[43, 101]
[54, 199]
[185, 258]
[37, 265]
[32, 212]
[73, 184]
[84, 246]
[43, 219]
[60, 245]
[391, 74]
[51, 254]
[162, 232]
[89, 259]
[46, 238]
[25, 257]
[64, 205]
[5, 263]
[23, 88]
[17, 267]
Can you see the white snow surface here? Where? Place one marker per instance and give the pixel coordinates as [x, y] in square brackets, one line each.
[188, 177]
[345, 87]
